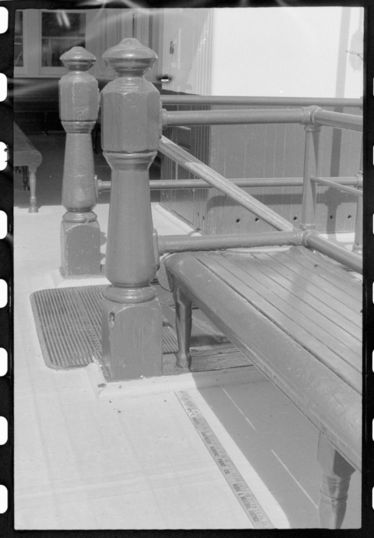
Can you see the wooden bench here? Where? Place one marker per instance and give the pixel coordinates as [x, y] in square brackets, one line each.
[296, 315]
[28, 157]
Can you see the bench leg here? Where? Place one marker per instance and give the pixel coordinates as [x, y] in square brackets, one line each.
[335, 483]
[183, 322]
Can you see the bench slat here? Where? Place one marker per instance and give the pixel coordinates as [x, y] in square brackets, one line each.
[340, 312]
[325, 273]
[346, 364]
[298, 292]
[330, 299]
[324, 397]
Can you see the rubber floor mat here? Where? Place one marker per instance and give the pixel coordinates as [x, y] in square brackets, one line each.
[68, 322]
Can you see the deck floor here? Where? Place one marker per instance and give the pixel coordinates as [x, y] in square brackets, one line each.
[85, 462]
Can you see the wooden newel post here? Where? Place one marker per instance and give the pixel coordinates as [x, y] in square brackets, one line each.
[79, 104]
[131, 130]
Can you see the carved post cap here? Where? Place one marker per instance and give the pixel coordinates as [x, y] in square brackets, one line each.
[130, 56]
[78, 59]
[131, 110]
[79, 91]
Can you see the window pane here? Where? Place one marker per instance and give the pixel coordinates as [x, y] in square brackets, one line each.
[61, 31]
[18, 39]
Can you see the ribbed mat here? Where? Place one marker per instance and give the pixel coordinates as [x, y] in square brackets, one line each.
[68, 322]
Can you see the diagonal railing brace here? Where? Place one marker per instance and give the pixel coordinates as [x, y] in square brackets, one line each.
[197, 167]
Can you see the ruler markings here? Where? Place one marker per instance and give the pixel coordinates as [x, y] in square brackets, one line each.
[233, 477]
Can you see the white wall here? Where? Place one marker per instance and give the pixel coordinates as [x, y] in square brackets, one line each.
[354, 58]
[186, 49]
[284, 52]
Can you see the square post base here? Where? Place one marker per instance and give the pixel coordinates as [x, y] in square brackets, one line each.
[80, 248]
[131, 338]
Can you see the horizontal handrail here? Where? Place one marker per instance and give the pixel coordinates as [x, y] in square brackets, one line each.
[232, 116]
[198, 168]
[166, 184]
[312, 240]
[181, 243]
[340, 254]
[340, 187]
[337, 119]
[313, 114]
[162, 184]
[263, 101]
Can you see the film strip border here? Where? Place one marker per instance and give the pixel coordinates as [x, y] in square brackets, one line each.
[7, 15]
[368, 272]
[6, 274]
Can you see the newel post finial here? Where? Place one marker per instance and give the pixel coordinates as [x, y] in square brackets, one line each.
[79, 102]
[78, 59]
[131, 130]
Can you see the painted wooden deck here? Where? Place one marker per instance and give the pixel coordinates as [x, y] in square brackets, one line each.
[136, 461]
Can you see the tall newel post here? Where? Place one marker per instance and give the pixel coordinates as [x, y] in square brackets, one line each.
[79, 104]
[131, 129]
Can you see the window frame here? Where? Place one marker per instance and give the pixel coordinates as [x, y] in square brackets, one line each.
[32, 43]
[104, 29]
[56, 70]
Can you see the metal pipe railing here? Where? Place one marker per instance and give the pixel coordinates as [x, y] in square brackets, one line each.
[305, 115]
[161, 184]
[344, 188]
[233, 116]
[181, 243]
[338, 120]
[327, 182]
[167, 184]
[352, 260]
[310, 167]
[198, 168]
[357, 245]
[255, 101]
[355, 181]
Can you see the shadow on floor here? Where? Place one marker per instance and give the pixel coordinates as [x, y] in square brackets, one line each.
[281, 445]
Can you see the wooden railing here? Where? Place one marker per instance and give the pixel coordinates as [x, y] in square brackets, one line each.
[131, 124]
